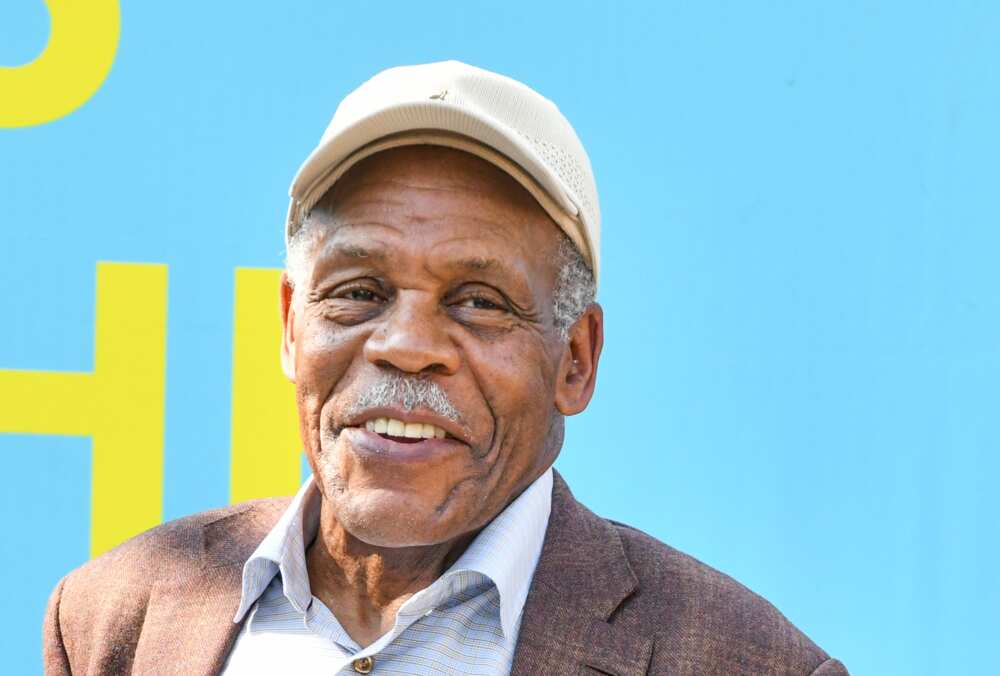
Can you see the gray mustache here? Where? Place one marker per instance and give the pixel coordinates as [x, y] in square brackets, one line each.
[406, 392]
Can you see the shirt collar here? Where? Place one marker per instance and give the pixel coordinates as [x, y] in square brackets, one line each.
[283, 550]
[506, 551]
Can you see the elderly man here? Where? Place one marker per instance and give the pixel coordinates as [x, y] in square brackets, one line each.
[439, 325]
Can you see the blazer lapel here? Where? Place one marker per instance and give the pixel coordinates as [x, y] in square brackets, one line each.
[189, 626]
[582, 577]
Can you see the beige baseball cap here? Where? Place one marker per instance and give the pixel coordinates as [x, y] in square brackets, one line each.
[453, 104]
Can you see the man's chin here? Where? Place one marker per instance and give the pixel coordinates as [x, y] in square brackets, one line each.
[383, 517]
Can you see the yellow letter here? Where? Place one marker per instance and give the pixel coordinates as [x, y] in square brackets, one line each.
[266, 450]
[82, 43]
[120, 404]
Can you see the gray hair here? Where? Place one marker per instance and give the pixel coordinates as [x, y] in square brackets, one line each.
[575, 286]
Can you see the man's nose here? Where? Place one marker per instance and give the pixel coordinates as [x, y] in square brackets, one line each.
[413, 338]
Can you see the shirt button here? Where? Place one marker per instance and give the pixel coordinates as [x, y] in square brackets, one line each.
[364, 665]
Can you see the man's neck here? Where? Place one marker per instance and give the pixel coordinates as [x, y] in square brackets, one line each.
[364, 585]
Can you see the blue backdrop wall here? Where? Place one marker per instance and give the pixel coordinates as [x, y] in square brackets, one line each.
[801, 232]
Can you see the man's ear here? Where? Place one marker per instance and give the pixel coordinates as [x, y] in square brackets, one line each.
[287, 328]
[578, 369]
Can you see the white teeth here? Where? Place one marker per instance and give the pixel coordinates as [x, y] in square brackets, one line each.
[398, 428]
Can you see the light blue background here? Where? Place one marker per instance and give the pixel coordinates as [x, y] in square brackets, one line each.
[801, 234]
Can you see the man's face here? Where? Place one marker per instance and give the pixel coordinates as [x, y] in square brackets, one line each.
[431, 284]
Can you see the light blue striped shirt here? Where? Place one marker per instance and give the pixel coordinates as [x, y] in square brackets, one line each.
[466, 622]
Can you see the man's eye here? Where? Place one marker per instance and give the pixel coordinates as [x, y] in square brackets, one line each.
[362, 295]
[480, 303]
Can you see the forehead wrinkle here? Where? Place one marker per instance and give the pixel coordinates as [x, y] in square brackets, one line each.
[385, 210]
[391, 191]
[483, 212]
[351, 240]
[351, 202]
[405, 212]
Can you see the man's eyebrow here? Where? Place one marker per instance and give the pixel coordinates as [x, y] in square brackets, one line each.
[478, 263]
[496, 268]
[346, 250]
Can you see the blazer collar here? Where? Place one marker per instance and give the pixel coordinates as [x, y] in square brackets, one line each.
[583, 576]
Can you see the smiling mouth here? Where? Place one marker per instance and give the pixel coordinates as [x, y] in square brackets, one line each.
[404, 432]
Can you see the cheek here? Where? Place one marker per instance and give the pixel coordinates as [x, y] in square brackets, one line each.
[323, 353]
[323, 357]
[519, 385]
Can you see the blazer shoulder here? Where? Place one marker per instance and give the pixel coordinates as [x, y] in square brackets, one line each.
[710, 616]
[173, 546]
[108, 596]
[170, 550]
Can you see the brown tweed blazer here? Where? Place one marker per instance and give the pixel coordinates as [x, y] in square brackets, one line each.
[605, 599]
